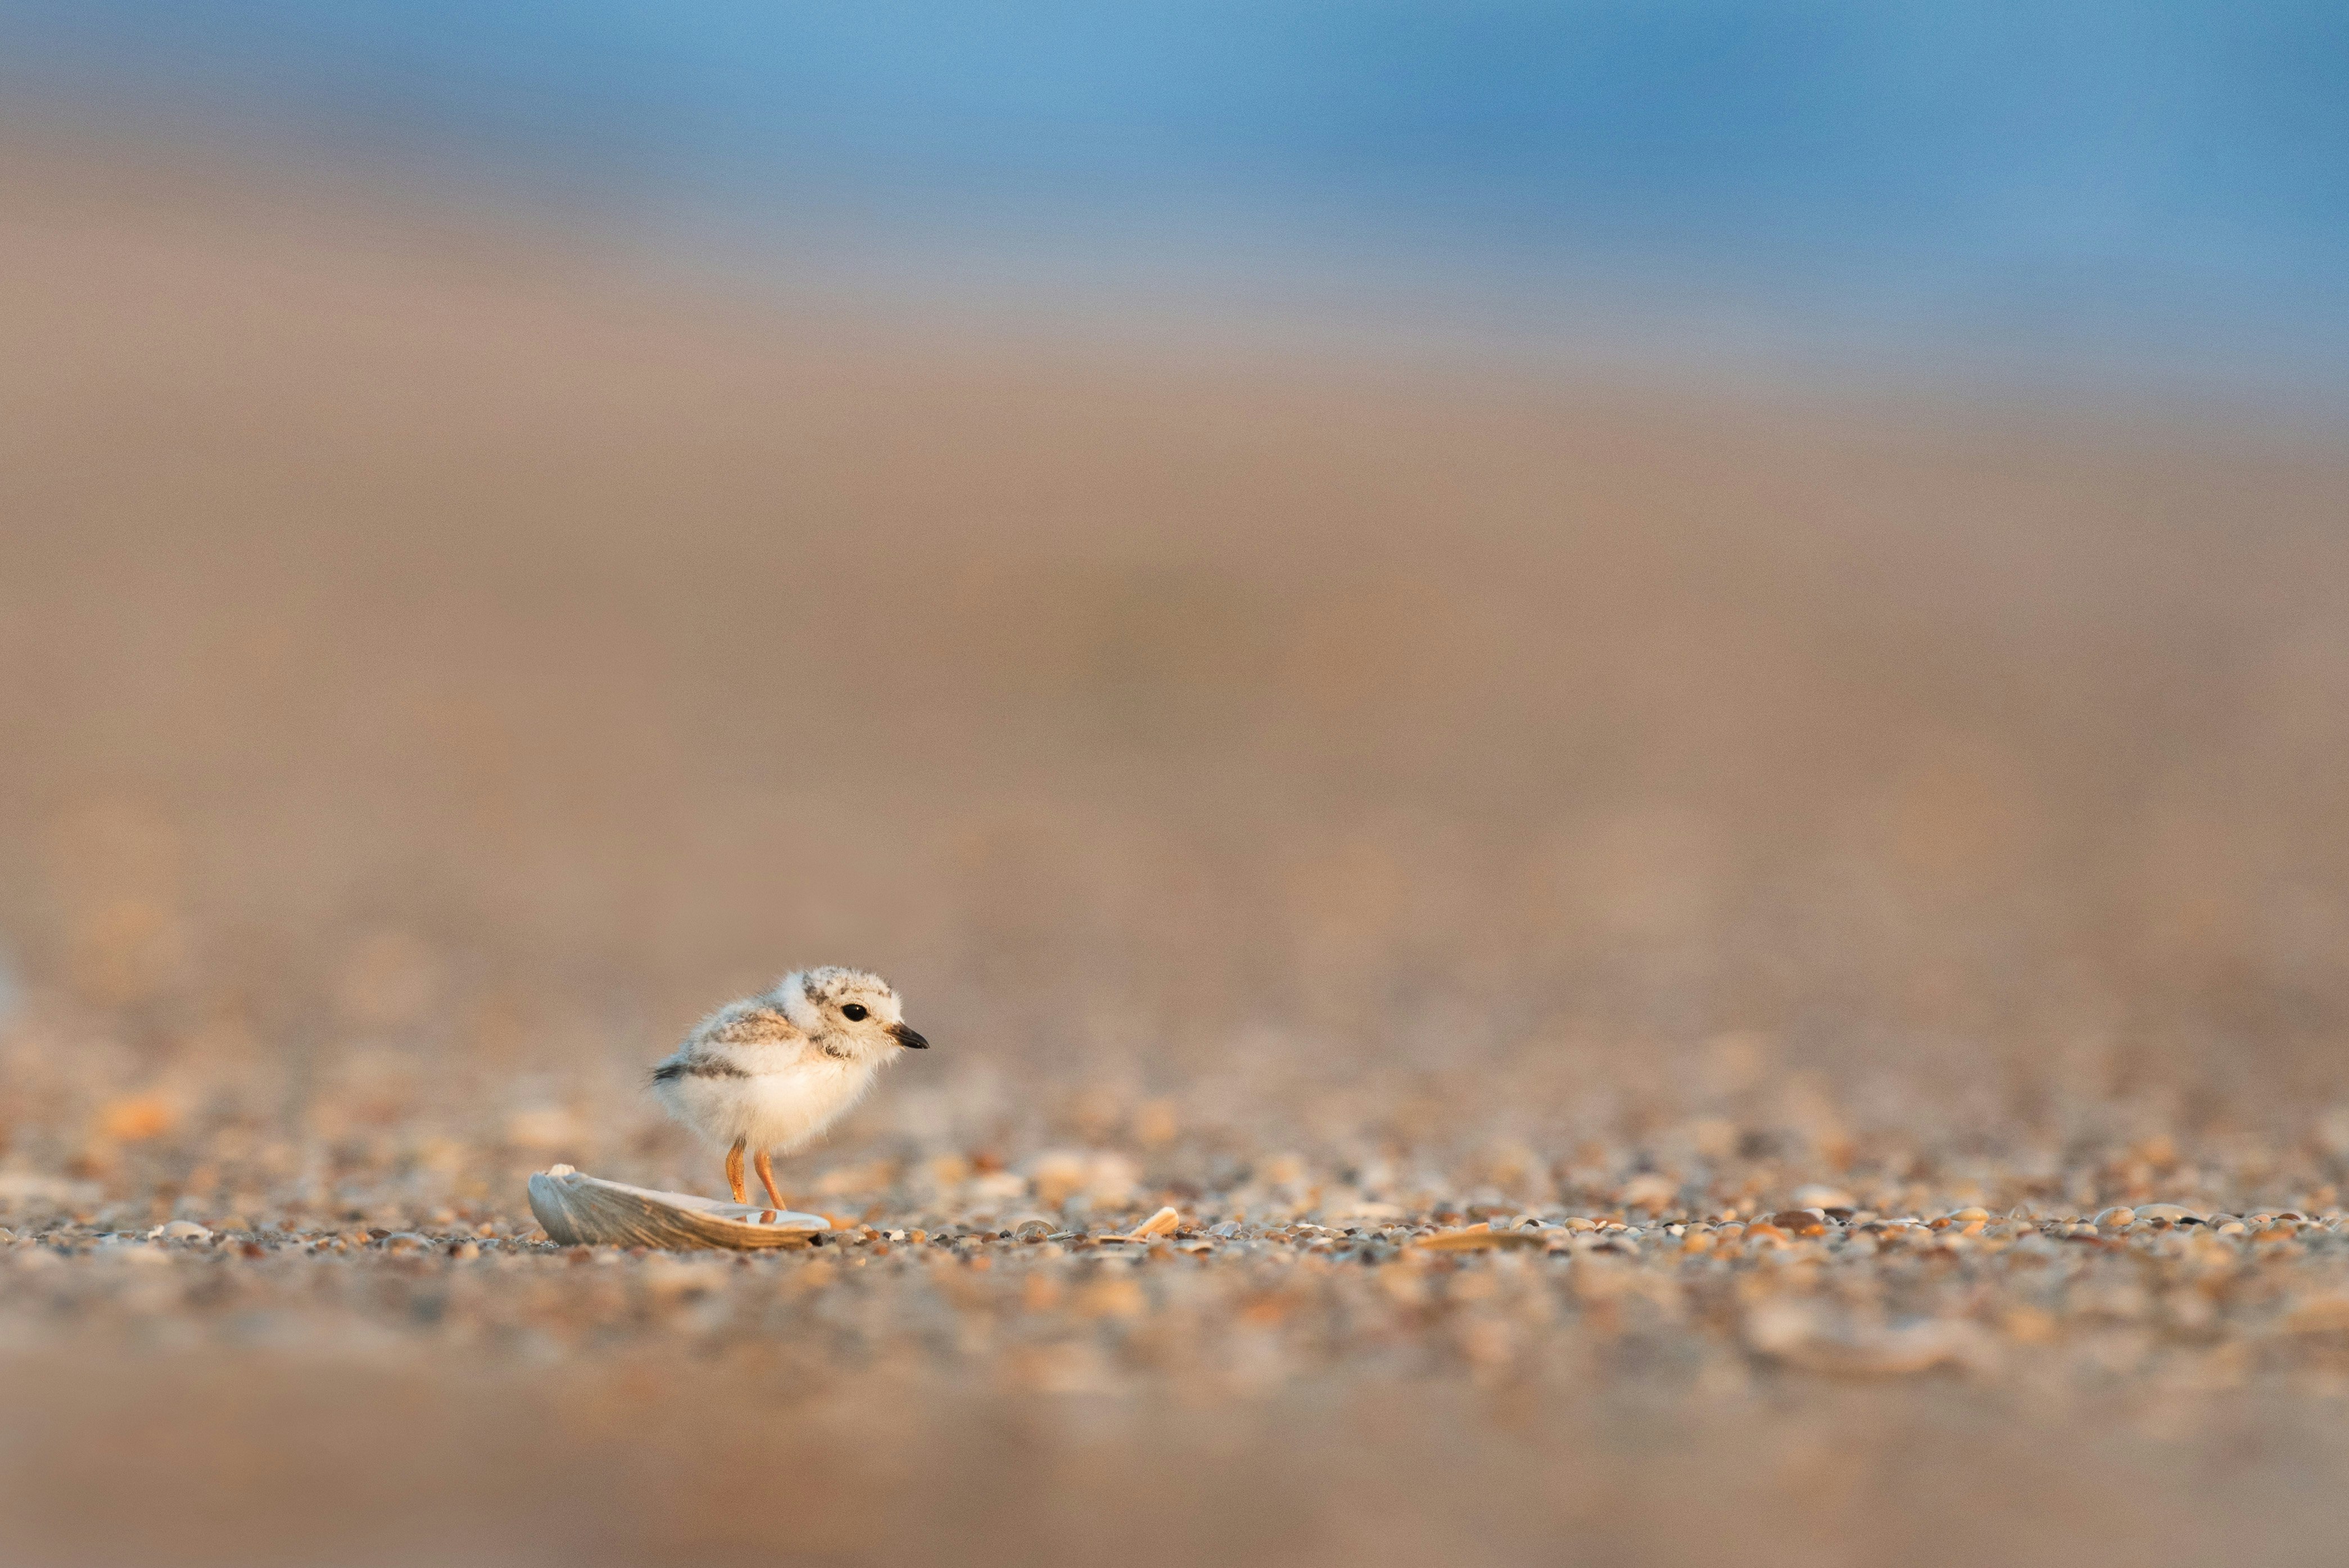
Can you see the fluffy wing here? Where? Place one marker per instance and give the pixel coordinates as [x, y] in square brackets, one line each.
[705, 1054]
[751, 1024]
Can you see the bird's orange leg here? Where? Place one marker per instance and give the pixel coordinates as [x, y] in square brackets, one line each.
[767, 1179]
[734, 1171]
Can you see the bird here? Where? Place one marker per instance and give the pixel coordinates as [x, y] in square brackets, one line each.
[771, 1072]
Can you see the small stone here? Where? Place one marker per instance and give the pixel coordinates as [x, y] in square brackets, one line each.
[1652, 1189]
[1800, 1221]
[1116, 1296]
[2319, 1314]
[2119, 1218]
[1477, 1238]
[137, 1119]
[185, 1230]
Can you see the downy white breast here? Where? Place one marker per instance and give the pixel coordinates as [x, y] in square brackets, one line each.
[777, 1110]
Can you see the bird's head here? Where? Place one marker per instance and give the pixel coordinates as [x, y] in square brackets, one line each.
[848, 1013]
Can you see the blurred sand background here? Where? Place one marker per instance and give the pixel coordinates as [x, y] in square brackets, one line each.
[439, 664]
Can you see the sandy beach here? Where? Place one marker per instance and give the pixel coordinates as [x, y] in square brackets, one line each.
[1849, 890]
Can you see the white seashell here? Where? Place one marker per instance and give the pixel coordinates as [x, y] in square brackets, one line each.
[578, 1210]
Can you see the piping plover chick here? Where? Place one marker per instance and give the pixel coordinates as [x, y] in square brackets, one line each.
[769, 1072]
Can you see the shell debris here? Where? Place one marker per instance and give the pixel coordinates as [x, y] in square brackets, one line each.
[579, 1210]
[1163, 1224]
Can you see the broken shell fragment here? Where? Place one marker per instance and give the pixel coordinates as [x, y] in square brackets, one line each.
[578, 1210]
[1163, 1224]
[1478, 1238]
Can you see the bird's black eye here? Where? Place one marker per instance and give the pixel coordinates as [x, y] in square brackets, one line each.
[854, 1012]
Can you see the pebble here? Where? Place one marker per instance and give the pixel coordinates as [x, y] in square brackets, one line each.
[1536, 1270]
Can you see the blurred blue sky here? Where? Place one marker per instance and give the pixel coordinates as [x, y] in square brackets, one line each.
[2163, 183]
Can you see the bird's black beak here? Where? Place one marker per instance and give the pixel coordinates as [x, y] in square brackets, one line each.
[909, 1038]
